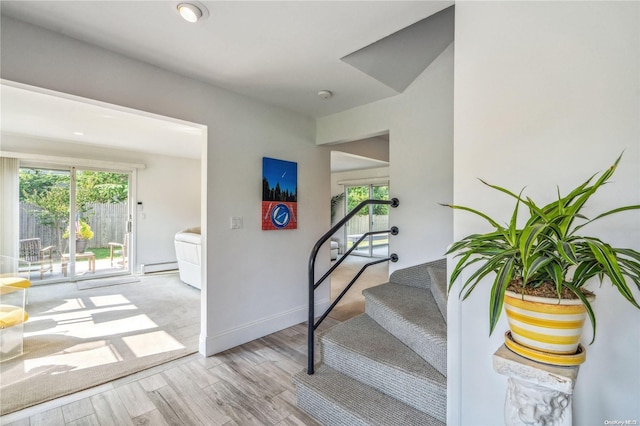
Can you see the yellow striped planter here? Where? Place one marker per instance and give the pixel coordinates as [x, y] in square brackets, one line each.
[545, 324]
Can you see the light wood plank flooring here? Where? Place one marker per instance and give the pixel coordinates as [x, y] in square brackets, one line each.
[246, 385]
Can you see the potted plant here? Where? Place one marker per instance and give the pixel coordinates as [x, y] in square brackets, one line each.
[83, 235]
[545, 263]
[334, 203]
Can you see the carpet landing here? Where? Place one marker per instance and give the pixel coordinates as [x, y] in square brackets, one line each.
[352, 303]
[78, 339]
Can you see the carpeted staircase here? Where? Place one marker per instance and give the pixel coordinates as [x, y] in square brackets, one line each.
[387, 366]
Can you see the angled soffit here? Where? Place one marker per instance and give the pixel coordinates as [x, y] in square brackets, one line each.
[343, 162]
[399, 58]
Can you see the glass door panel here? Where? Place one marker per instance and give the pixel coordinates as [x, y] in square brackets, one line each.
[359, 224]
[43, 222]
[370, 218]
[102, 223]
[380, 221]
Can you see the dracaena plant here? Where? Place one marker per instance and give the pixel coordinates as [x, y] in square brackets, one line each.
[549, 248]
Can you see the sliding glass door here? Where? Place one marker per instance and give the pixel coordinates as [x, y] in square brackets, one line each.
[102, 222]
[370, 218]
[74, 224]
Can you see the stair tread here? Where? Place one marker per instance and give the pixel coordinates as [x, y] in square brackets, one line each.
[341, 400]
[418, 275]
[415, 305]
[363, 350]
[411, 315]
[366, 337]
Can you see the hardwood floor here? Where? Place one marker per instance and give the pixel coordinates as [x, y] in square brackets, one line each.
[246, 385]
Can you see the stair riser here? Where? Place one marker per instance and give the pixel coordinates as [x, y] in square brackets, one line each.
[434, 352]
[430, 397]
[415, 276]
[322, 410]
[336, 399]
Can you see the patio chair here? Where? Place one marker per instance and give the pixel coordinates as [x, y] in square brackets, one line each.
[119, 250]
[31, 251]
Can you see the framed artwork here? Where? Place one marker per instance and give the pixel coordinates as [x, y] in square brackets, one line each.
[279, 194]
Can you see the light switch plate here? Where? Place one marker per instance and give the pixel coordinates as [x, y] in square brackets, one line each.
[236, 222]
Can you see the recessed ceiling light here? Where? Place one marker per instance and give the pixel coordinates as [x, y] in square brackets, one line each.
[189, 12]
[325, 94]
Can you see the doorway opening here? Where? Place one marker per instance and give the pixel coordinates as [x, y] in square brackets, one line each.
[119, 140]
[359, 171]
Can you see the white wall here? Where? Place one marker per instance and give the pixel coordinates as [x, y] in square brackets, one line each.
[256, 281]
[169, 188]
[420, 125]
[546, 94]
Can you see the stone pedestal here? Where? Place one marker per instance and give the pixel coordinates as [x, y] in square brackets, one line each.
[537, 394]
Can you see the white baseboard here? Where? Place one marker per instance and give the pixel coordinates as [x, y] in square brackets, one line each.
[237, 336]
[147, 268]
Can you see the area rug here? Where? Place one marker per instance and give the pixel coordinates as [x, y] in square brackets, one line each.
[77, 339]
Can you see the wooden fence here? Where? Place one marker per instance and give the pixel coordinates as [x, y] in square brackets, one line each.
[108, 223]
[360, 224]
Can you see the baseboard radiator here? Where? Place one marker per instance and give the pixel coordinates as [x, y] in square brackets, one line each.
[149, 268]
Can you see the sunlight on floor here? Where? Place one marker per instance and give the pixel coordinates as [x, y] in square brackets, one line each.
[75, 358]
[70, 305]
[74, 319]
[85, 325]
[152, 343]
[79, 338]
[114, 299]
[96, 301]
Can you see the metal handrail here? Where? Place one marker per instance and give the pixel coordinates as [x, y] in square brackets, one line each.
[392, 231]
[312, 324]
[393, 258]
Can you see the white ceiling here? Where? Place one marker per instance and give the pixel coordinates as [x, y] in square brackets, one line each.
[279, 52]
[51, 116]
[282, 52]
